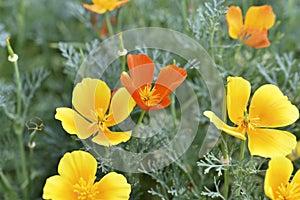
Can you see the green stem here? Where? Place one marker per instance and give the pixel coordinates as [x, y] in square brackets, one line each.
[8, 188]
[242, 153]
[173, 110]
[140, 118]
[184, 14]
[211, 43]
[108, 23]
[122, 49]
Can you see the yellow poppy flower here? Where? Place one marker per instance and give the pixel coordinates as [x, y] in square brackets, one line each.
[254, 31]
[269, 108]
[91, 99]
[76, 180]
[101, 6]
[277, 185]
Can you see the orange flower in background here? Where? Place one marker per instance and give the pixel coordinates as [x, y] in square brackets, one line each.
[102, 6]
[254, 31]
[139, 82]
[91, 100]
[76, 180]
[277, 185]
[269, 108]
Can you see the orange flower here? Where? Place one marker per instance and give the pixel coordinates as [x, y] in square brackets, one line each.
[254, 31]
[101, 6]
[139, 83]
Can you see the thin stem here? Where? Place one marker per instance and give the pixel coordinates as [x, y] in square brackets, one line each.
[173, 110]
[140, 118]
[122, 51]
[8, 188]
[211, 43]
[184, 14]
[242, 153]
[108, 23]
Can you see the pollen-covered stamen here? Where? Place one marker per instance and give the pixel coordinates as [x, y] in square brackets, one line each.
[289, 191]
[148, 95]
[84, 189]
[102, 118]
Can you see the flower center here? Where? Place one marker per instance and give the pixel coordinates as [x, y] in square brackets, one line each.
[101, 118]
[148, 96]
[246, 123]
[85, 190]
[289, 191]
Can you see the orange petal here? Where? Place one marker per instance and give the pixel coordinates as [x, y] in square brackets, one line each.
[260, 17]
[278, 174]
[73, 123]
[270, 108]
[163, 104]
[254, 37]
[168, 80]
[141, 69]
[90, 96]
[270, 142]
[238, 93]
[234, 21]
[113, 186]
[224, 127]
[95, 8]
[108, 138]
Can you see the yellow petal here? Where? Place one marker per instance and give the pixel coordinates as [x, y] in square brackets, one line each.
[296, 181]
[278, 173]
[270, 108]
[238, 93]
[90, 96]
[109, 138]
[59, 188]
[113, 186]
[261, 17]
[121, 106]
[95, 8]
[270, 143]
[73, 123]
[234, 21]
[224, 127]
[76, 165]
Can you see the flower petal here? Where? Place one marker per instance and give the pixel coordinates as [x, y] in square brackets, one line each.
[141, 69]
[163, 104]
[76, 165]
[95, 8]
[296, 181]
[73, 123]
[113, 186]
[270, 143]
[108, 138]
[270, 108]
[121, 106]
[255, 37]
[234, 21]
[224, 127]
[90, 96]
[238, 93]
[169, 78]
[278, 173]
[57, 187]
[261, 17]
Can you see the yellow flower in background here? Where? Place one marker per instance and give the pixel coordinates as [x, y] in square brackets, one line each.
[102, 6]
[295, 153]
[254, 31]
[269, 108]
[277, 185]
[91, 99]
[76, 180]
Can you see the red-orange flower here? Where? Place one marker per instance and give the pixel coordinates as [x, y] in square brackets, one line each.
[139, 83]
[254, 31]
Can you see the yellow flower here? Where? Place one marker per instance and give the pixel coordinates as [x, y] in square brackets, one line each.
[76, 181]
[254, 31]
[277, 185]
[295, 153]
[101, 6]
[269, 108]
[91, 99]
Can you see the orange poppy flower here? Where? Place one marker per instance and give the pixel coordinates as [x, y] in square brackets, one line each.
[139, 83]
[101, 6]
[254, 31]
